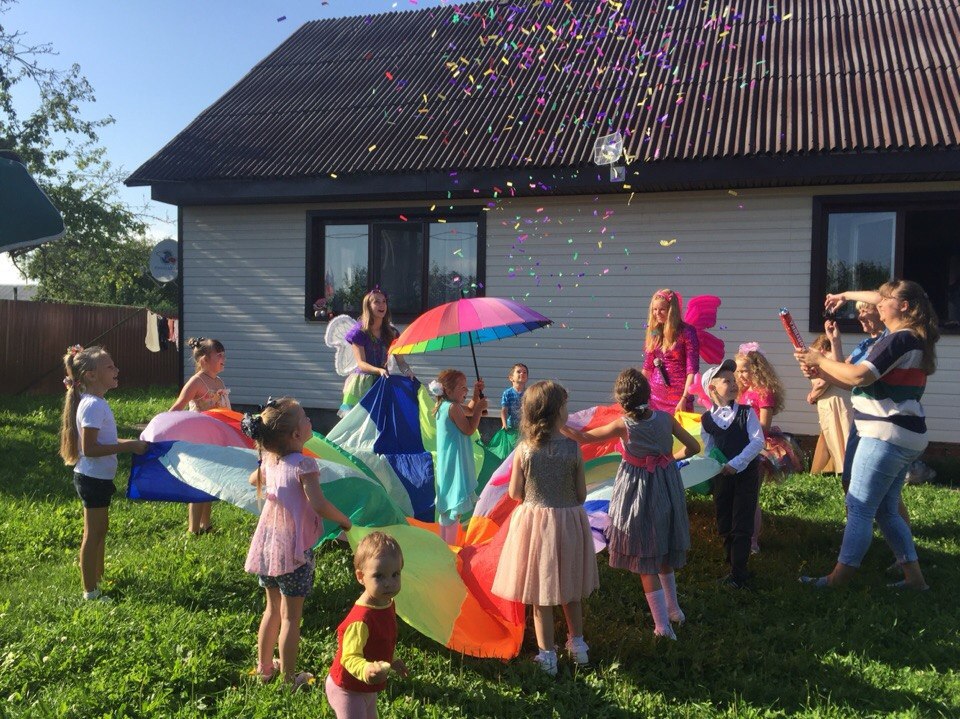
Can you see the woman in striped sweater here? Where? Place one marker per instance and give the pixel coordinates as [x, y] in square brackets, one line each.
[886, 390]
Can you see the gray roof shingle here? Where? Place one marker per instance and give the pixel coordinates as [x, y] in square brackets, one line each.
[522, 84]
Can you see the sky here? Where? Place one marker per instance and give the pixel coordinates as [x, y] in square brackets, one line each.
[155, 66]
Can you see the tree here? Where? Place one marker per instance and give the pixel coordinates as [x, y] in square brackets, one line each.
[104, 253]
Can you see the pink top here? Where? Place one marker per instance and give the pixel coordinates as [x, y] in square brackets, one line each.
[288, 526]
[677, 362]
[757, 398]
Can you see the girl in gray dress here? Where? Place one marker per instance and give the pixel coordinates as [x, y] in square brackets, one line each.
[649, 532]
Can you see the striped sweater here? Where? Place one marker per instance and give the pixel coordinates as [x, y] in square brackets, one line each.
[890, 409]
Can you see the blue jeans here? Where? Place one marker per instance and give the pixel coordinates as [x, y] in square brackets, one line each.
[876, 480]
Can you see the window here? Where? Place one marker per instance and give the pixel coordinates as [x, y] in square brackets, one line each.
[419, 262]
[861, 242]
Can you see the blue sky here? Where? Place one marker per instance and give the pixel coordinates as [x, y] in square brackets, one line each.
[155, 66]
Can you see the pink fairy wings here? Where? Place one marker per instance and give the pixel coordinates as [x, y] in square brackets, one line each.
[702, 315]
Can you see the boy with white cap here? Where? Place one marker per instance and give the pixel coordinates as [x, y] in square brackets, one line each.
[734, 432]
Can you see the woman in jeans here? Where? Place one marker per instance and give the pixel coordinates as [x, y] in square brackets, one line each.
[887, 387]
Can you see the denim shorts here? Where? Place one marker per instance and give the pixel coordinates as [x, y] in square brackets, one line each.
[94, 493]
[297, 583]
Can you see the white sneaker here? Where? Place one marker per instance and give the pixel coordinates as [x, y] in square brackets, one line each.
[547, 661]
[578, 650]
[96, 596]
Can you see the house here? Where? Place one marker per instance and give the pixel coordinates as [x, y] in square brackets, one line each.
[770, 151]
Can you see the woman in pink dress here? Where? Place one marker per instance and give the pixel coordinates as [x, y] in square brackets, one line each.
[672, 355]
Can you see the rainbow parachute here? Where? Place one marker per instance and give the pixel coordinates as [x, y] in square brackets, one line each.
[379, 472]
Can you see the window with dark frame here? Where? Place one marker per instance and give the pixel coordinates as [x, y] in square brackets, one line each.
[418, 262]
[860, 242]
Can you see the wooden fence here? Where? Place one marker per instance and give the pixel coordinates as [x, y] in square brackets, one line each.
[34, 336]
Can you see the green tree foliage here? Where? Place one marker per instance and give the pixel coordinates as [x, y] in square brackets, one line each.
[103, 255]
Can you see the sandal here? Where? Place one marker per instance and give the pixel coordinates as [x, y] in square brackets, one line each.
[815, 582]
[265, 678]
[303, 681]
[902, 586]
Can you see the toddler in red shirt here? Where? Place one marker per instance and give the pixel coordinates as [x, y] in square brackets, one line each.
[366, 638]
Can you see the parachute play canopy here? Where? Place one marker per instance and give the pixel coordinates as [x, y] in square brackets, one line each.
[446, 593]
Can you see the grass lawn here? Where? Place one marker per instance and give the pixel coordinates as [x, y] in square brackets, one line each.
[181, 635]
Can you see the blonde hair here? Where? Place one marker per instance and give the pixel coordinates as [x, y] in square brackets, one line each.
[448, 379]
[540, 411]
[861, 305]
[76, 362]
[202, 347]
[271, 429]
[763, 376]
[373, 545]
[632, 392]
[387, 334]
[919, 317]
[659, 336]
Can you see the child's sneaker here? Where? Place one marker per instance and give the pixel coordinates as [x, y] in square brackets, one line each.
[547, 661]
[96, 596]
[578, 650]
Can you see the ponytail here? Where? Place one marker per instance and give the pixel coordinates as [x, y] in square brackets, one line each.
[76, 362]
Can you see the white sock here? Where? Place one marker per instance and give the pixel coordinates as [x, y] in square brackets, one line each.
[669, 584]
[661, 618]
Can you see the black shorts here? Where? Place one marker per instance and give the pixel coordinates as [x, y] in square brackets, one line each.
[94, 493]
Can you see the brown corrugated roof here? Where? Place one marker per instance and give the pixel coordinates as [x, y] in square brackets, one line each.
[531, 84]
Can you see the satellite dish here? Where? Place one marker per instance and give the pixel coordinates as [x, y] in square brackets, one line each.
[163, 261]
[607, 149]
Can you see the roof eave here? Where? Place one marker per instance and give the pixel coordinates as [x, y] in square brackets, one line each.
[658, 176]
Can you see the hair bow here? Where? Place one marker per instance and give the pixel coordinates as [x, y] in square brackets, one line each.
[68, 382]
[435, 388]
[74, 349]
[749, 347]
[665, 295]
[251, 425]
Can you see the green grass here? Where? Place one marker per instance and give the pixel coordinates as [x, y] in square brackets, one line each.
[181, 635]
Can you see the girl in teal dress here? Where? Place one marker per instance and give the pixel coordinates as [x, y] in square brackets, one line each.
[456, 473]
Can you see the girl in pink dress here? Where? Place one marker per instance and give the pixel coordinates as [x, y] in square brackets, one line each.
[281, 552]
[548, 556]
[761, 389]
[672, 355]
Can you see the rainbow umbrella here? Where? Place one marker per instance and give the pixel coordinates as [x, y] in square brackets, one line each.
[469, 320]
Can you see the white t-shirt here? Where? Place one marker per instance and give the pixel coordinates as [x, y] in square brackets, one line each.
[94, 412]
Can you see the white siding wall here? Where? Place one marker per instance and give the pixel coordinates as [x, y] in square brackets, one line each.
[244, 276]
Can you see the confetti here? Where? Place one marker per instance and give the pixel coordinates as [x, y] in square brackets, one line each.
[667, 243]
[281, 18]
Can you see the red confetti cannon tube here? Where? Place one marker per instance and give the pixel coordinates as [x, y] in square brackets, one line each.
[791, 329]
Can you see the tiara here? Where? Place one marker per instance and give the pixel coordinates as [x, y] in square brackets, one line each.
[74, 349]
